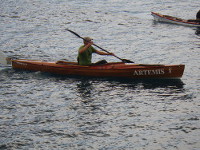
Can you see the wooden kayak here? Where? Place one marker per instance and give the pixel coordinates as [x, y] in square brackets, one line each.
[115, 69]
[174, 20]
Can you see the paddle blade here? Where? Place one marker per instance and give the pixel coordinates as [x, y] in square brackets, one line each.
[3, 59]
[127, 61]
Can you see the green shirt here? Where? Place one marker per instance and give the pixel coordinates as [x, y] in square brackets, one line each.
[85, 58]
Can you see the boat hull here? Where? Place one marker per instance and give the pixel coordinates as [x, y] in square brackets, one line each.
[121, 70]
[174, 20]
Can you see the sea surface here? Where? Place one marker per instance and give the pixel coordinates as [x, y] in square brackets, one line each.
[46, 111]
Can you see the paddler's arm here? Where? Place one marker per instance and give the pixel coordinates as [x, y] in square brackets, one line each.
[103, 53]
[85, 47]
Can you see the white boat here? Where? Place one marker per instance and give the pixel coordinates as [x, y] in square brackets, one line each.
[175, 20]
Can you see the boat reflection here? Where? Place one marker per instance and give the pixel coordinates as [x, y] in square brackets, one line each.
[197, 32]
[154, 83]
[87, 86]
[84, 88]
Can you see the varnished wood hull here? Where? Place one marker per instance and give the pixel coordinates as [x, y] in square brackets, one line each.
[121, 70]
[174, 20]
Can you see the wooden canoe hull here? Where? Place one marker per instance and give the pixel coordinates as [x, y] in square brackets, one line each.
[174, 20]
[123, 70]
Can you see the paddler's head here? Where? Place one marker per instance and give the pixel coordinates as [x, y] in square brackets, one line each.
[87, 40]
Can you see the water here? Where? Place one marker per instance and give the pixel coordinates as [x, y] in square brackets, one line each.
[44, 111]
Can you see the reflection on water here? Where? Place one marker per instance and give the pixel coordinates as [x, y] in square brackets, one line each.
[132, 83]
[152, 83]
[91, 88]
[197, 32]
[84, 88]
[45, 111]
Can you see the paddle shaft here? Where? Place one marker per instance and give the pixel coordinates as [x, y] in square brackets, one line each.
[124, 60]
[107, 51]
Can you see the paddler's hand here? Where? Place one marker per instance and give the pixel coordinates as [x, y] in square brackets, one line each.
[90, 43]
[112, 54]
[87, 44]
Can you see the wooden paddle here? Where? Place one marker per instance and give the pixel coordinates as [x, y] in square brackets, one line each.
[123, 60]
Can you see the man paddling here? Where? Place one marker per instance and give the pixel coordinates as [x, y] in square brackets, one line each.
[85, 53]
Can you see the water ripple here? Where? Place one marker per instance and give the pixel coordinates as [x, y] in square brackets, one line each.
[44, 111]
